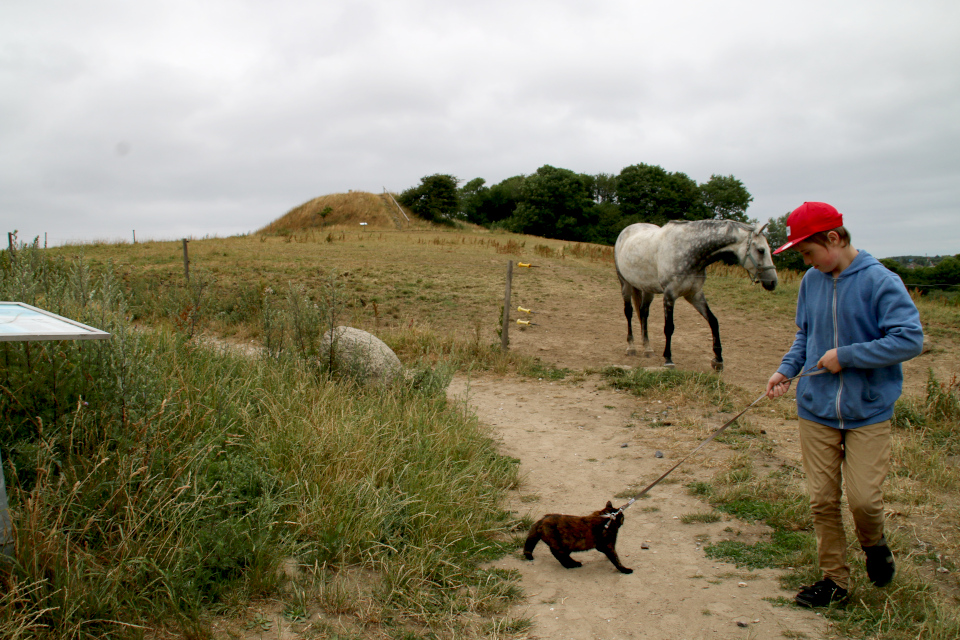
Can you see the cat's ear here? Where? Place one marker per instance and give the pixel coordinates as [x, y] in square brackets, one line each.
[609, 505]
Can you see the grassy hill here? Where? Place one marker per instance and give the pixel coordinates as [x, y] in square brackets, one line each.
[378, 211]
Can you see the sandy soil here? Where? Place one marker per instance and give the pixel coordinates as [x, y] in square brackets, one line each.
[570, 439]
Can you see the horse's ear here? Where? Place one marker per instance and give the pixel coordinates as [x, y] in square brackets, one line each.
[760, 230]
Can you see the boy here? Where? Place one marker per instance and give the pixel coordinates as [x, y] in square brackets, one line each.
[857, 321]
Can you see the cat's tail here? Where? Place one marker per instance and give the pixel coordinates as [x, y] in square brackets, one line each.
[532, 539]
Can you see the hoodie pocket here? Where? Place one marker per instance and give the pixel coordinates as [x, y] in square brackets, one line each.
[862, 398]
[818, 395]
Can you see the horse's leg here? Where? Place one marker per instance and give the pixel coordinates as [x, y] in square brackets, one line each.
[699, 302]
[669, 300]
[628, 292]
[643, 311]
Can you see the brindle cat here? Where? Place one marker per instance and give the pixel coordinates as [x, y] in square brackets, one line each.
[577, 533]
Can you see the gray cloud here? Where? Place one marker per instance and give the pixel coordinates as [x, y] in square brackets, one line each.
[215, 118]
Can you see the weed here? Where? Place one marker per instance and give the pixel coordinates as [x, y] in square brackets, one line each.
[783, 549]
[537, 369]
[699, 518]
[639, 381]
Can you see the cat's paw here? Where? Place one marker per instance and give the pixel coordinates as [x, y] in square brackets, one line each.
[528, 556]
[625, 570]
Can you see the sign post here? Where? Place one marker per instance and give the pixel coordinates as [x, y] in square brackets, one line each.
[20, 322]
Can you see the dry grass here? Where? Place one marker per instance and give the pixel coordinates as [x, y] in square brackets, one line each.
[446, 281]
[345, 210]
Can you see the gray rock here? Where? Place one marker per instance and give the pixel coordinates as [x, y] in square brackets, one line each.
[360, 354]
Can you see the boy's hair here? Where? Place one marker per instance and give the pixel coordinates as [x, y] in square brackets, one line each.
[821, 238]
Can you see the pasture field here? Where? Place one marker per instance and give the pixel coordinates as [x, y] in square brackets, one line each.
[207, 492]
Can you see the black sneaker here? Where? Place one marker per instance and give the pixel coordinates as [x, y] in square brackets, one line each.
[880, 565]
[821, 594]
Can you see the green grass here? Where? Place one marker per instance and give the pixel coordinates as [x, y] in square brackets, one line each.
[641, 382]
[699, 518]
[537, 369]
[783, 549]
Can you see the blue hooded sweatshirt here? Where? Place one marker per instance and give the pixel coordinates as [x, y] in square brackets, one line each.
[867, 315]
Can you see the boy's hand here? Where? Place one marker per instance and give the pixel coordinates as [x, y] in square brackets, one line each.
[777, 385]
[830, 362]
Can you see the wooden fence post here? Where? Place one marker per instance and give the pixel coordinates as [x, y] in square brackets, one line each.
[186, 261]
[504, 339]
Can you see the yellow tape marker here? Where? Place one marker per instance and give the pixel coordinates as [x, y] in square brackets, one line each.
[524, 264]
[522, 310]
[526, 322]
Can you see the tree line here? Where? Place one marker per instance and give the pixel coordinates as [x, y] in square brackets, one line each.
[943, 276]
[565, 205]
[562, 204]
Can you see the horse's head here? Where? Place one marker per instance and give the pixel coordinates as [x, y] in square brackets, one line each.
[757, 259]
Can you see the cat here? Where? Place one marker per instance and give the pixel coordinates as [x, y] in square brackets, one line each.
[564, 534]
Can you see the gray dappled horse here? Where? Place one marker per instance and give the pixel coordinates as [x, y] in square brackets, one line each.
[672, 260]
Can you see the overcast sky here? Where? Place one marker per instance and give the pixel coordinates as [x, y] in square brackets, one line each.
[212, 117]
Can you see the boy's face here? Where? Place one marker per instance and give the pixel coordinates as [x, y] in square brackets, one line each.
[825, 259]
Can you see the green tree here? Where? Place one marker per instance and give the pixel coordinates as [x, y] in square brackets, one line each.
[554, 203]
[947, 272]
[609, 223]
[603, 187]
[435, 199]
[725, 198]
[776, 233]
[472, 196]
[945, 275]
[648, 193]
[489, 206]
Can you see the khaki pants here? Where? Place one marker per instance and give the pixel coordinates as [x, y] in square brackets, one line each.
[860, 458]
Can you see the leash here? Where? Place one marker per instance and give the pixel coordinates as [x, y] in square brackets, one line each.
[812, 371]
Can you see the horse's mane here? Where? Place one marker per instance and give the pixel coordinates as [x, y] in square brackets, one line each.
[712, 222]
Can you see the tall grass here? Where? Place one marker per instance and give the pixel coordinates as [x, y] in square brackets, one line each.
[929, 435]
[154, 480]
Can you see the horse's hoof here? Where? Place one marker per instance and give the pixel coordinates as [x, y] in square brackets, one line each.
[631, 351]
[669, 365]
[648, 354]
[717, 365]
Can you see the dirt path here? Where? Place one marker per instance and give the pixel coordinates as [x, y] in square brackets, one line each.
[569, 438]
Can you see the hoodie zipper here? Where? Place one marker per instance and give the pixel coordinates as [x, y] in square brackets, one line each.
[836, 345]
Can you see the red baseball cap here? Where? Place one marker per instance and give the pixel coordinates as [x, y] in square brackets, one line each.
[808, 219]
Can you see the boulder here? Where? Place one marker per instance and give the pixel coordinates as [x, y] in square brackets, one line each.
[360, 354]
